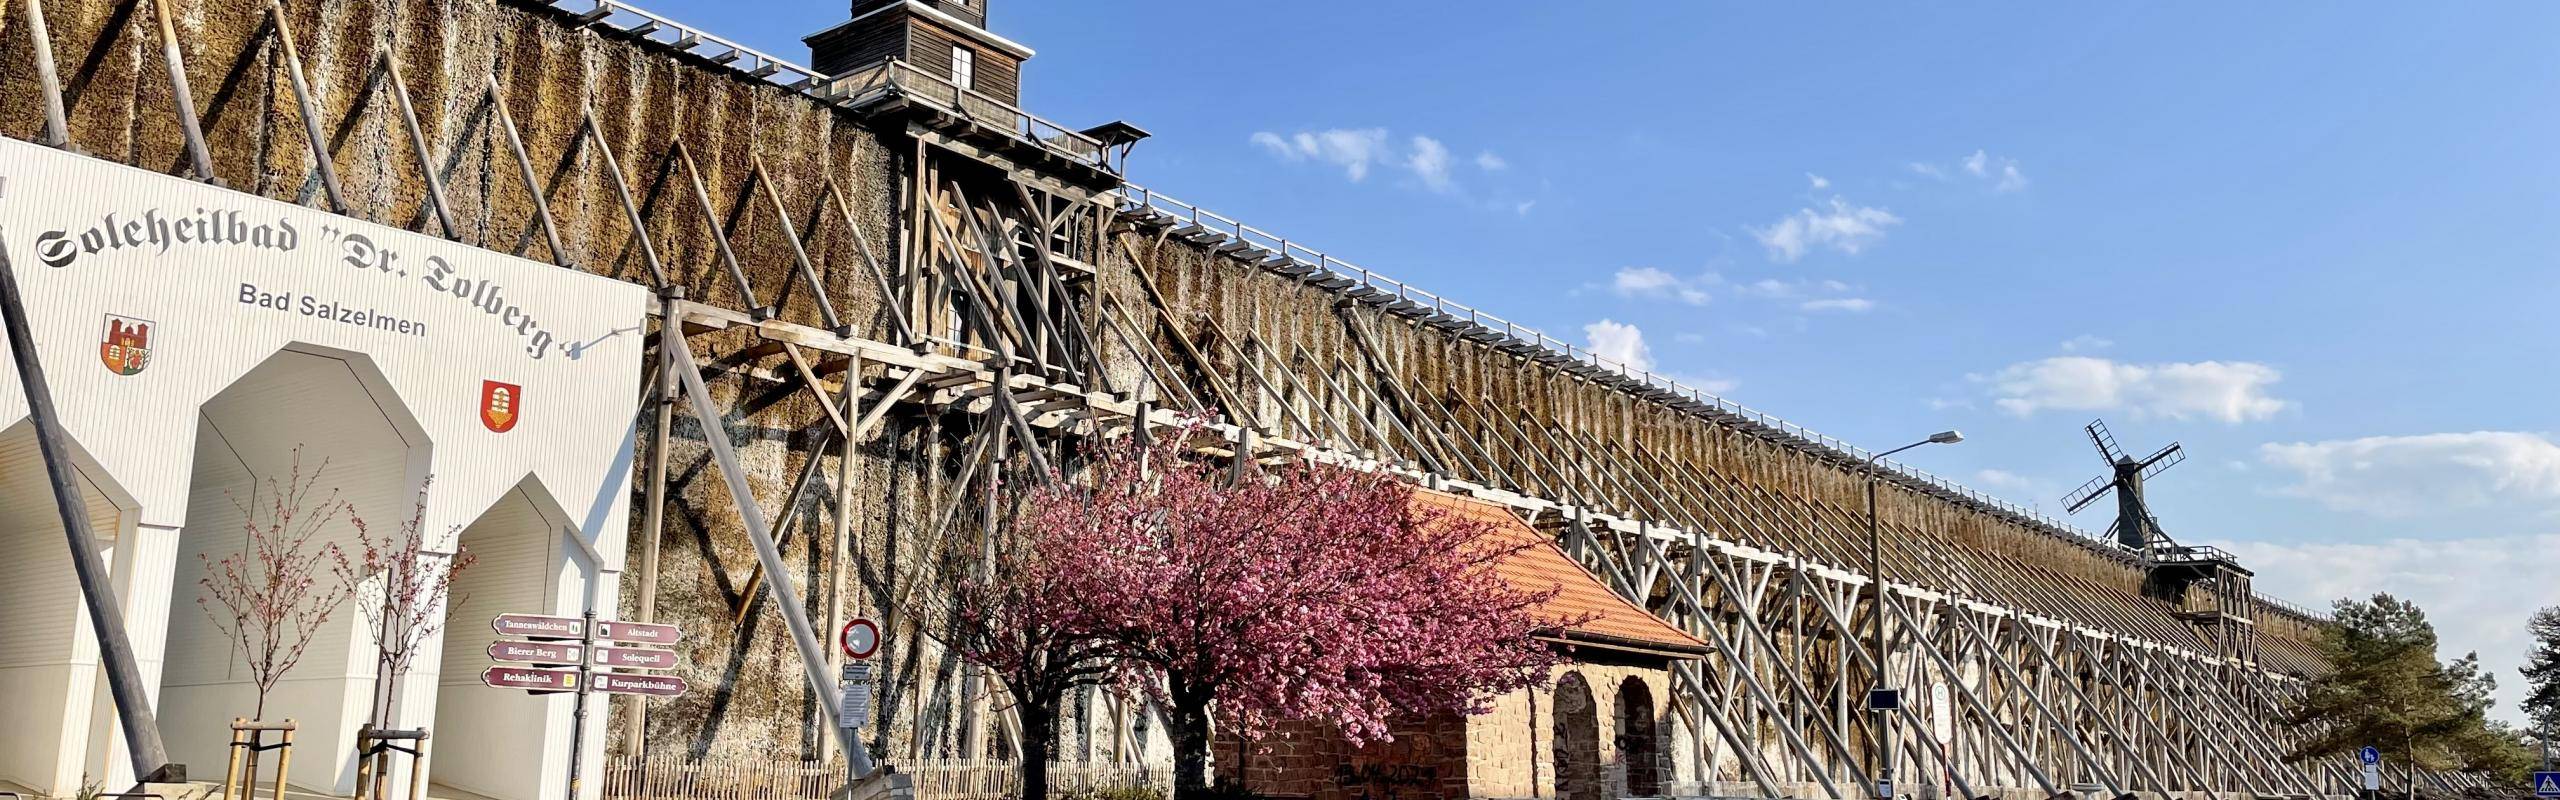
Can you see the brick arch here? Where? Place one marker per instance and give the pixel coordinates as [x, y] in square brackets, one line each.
[1639, 738]
[1579, 774]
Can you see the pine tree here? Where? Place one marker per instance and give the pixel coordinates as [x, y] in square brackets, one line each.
[2542, 674]
[2387, 689]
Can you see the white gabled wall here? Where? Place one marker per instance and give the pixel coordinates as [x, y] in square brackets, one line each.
[48, 657]
[245, 451]
[472, 312]
[517, 567]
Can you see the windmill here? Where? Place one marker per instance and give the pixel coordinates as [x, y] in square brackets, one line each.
[2135, 528]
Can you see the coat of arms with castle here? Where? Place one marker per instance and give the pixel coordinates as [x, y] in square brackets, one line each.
[125, 347]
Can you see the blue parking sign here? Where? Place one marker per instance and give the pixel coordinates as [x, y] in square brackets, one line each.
[2546, 784]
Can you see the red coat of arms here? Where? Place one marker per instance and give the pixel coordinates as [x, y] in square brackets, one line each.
[125, 347]
[501, 405]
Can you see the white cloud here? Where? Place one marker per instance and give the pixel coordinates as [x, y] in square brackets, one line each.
[1838, 225]
[1360, 152]
[1619, 342]
[2086, 342]
[1851, 305]
[1772, 287]
[1355, 150]
[2229, 391]
[1775, 289]
[1430, 162]
[1654, 283]
[2474, 608]
[2003, 480]
[2411, 475]
[1819, 183]
[2001, 172]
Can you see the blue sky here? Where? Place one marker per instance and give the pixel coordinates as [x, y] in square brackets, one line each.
[2316, 247]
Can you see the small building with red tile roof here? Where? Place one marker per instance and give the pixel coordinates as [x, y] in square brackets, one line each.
[1602, 728]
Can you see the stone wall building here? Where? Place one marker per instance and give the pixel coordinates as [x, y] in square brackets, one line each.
[1600, 729]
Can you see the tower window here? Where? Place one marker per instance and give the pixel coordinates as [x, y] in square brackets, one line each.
[964, 68]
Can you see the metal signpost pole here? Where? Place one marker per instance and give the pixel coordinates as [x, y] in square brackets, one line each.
[578, 716]
[106, 617]
[2372, 759]
[860, 639]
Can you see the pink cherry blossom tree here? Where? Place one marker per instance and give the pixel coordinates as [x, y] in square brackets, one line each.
[1019, 611]
[406, 587]
[271, 598]
[1303, 592]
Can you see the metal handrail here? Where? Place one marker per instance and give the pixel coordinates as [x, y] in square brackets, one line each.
[663, 31]
[890, 77]
[2289, 607]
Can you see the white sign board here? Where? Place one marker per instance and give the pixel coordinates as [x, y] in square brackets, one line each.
[853, 707]
[1942, 715]
[148, 295]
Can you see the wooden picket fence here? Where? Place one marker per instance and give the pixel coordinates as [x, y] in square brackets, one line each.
[780, 779]
[989, 779]
[721, 779]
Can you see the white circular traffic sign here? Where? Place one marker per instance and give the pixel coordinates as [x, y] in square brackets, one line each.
[860, 638]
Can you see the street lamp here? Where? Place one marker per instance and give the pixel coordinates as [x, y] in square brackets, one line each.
[1882, 700]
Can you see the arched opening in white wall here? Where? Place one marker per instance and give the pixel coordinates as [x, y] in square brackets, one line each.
[500, 743]
[328, 420]
[49, 675]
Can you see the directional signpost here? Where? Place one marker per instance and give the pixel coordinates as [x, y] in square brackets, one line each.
[537, 681]
[553, 653]
[651, 685]
[638, 633]
[633, 658]
[536, 626]
[578, 654]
